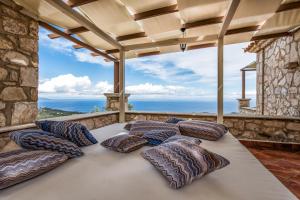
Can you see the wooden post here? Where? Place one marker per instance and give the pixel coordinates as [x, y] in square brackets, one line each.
[116, 77]
[243, 85]
[220, 80]
[263, 83]
[122, 86]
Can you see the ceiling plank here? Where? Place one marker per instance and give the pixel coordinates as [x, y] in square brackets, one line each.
[152, 53]
[131, 36]
[204, 22]
[64, 8]
[269, 36]
[288, 6]
[229, 16]
[76, 3]
[156, 12]
[76, 41]
[71, 31]
[201, 46]
[242, 30]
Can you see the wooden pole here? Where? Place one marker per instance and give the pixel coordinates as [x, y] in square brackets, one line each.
[116, 77]
[220, 80]
[122, 86]
[263, 83]
[243, 85]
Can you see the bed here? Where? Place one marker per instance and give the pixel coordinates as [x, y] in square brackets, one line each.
[108, 175]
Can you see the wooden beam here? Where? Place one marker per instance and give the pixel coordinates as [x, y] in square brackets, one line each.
[204, 22]
[67, 10]
[112, 51]
[76, 41]
[122, 86]
[76, 3]
[156, 12]
[131, 36]
[288, 6]
[76, 46]
[229, 16]
[242, 30]
[269, 36]
[71, 31]
[200, 46]
[116, 77]
[243, 84]
[220, 80]
[152, 53]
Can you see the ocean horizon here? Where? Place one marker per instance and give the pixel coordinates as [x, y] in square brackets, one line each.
[180, 106]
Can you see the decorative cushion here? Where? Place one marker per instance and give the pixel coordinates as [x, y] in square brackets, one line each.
[128, 125]
[202, 129]
[42, 140]
[20, 165]
[156, 137]
[184, 138]
[181, 162]
[10, 146]
[174, 120]
[72, 131]
[124, 143]
[141, 127]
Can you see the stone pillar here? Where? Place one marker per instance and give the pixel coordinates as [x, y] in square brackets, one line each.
[18, 66]
[243, 103]
[113, 101]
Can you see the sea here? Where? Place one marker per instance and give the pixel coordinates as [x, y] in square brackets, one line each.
[89, 105]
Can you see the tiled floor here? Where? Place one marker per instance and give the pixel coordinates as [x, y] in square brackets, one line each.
[284, 165]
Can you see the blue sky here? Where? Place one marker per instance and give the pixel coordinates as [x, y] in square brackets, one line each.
[69, 73]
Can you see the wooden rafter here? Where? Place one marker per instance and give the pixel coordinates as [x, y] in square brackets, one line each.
[152, 53]
[67, 10]
[76, 3]
[288, 6]
[112, 51]
[200, 46]
[269, 36]
[77, 46]
[76, 41]
[229, 16]
[156, 12]
[131, 36]
[204, 22]
[71, 31]
[242, 30]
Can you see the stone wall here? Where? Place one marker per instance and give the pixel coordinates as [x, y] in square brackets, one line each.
[247, 111]
[18, 66]
[91, 121]
[278, 84]
[249, 127]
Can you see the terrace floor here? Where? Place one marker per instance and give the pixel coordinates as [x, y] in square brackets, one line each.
[284, 165]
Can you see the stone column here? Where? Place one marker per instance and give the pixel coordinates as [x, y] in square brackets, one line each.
[18, 66]
[113, 101]
[243, 103]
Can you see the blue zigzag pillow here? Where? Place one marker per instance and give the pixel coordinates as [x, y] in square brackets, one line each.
[72, 131]
[42, 140]
[156, 137]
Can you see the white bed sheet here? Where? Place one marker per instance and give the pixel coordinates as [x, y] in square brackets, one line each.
[104, 174]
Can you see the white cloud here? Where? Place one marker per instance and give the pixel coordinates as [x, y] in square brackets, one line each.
[103, 87]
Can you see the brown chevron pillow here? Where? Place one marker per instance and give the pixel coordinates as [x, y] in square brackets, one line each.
[20, 165]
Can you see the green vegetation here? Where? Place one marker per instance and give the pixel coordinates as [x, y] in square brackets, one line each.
[45, 113]
[130, 106]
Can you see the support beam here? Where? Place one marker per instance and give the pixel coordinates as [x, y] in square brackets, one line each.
[116, 78]
[263, 82]
[269, 36]
[112, 51]
[76, 3]
[71, 31]
[242, 30]
[122, 86]
[131, 36]
[152, 53]
[243, 84]
[288, 6]
[229, 16]
[67, 10]
[76, 46]
[204, 22]
[156, 12]
[220, 81]
[200, 46]
[76, 41]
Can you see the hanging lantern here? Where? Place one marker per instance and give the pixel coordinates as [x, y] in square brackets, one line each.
[182, 45]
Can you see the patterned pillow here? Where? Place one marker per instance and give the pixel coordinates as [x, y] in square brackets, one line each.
[202, 129]
[141, 127]
[124, 143]
[181, 162]
[20, 165]
[174, 120]
[75, 132]
[184, 138]
[156, 137]
[42, 140]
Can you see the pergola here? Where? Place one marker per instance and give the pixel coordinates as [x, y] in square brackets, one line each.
[122, 29]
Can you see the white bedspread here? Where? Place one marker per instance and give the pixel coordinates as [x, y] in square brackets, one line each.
[104, 174]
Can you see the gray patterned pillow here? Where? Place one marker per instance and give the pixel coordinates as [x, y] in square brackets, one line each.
[181, 162]
[184, 138]
[42, 140]
[141, 127]
[156, 137]
[202, 129]
[20, 165]
[124, 143]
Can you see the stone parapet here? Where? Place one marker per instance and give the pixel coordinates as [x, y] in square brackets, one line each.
[113, 101]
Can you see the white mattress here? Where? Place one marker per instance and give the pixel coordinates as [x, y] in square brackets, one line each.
[108, 175]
